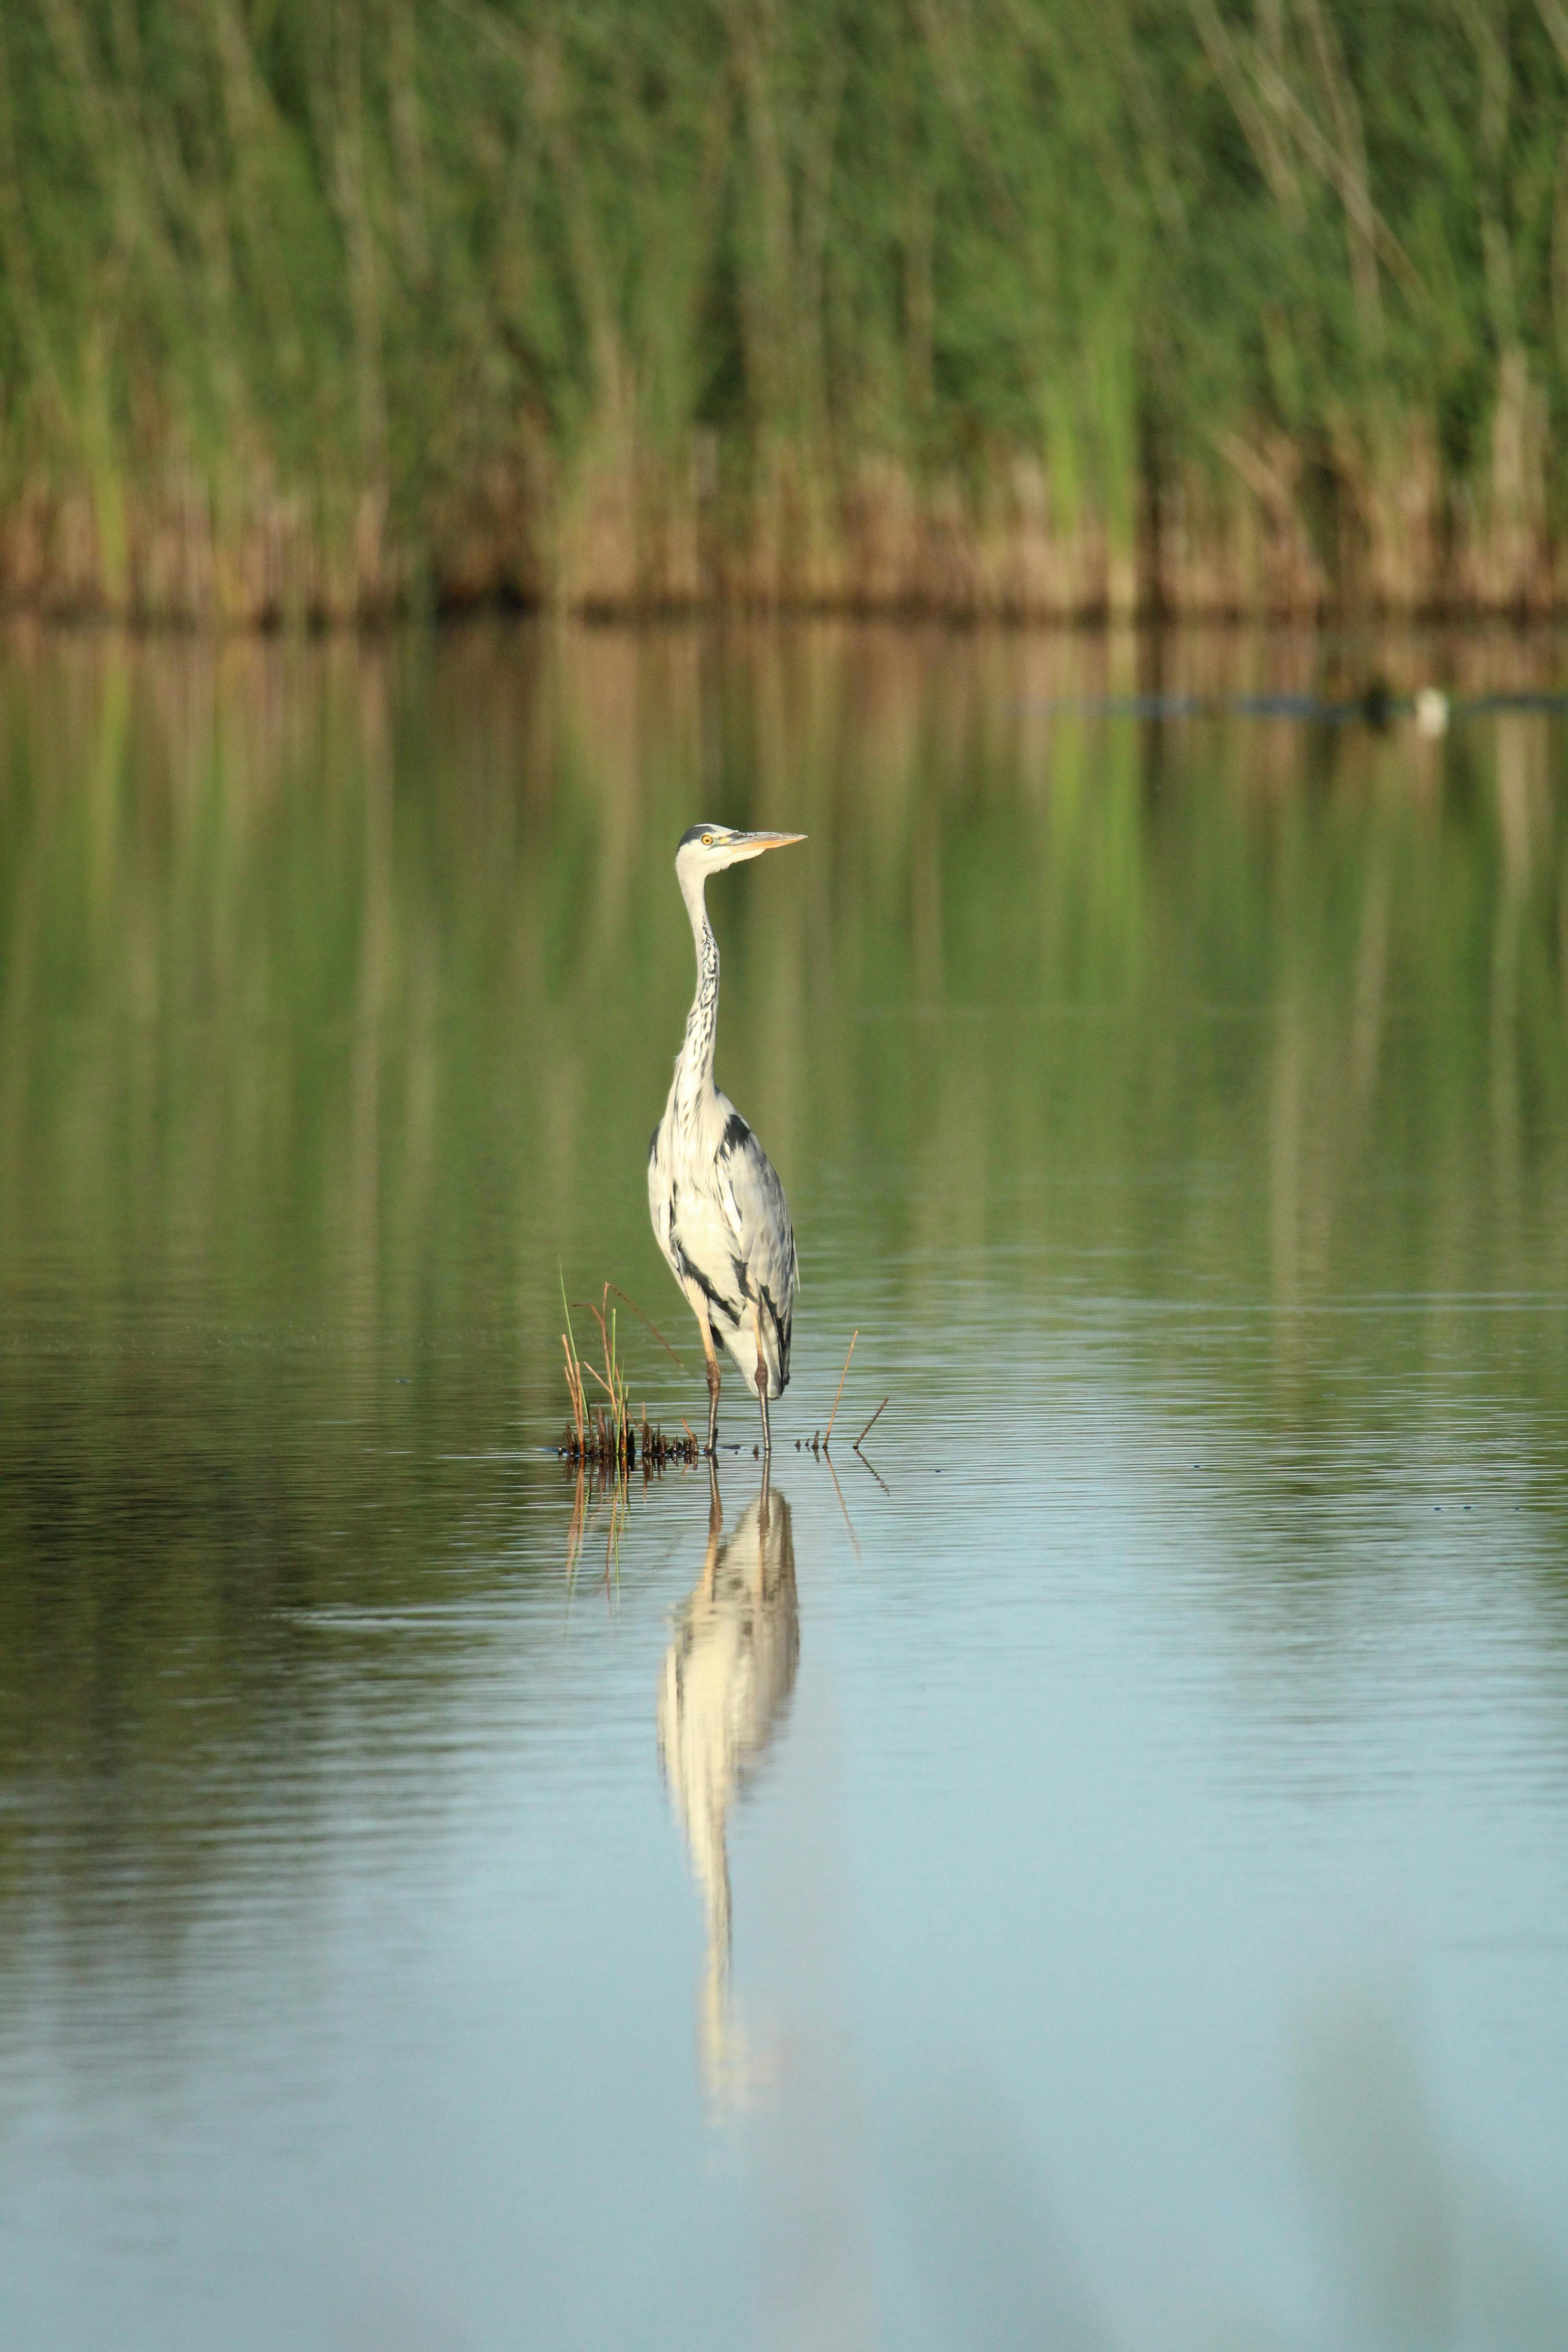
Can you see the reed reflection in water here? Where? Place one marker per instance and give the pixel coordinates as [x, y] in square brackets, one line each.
[722, 1698]
[1180, 1111]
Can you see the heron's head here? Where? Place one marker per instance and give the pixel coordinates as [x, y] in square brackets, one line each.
[708, 848]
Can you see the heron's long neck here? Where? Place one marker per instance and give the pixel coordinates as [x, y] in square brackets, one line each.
[694, 1066]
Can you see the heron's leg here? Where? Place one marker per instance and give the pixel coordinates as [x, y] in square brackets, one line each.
[763, 1382]
[700, 1307]
[760, 1589]
[715, 1529]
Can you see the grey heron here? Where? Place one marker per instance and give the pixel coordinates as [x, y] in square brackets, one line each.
[719, 1210]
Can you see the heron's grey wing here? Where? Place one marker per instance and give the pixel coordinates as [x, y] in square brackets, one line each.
[758, 1215]
[658, 1188]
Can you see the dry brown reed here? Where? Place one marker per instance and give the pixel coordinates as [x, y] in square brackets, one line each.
[604, 1438]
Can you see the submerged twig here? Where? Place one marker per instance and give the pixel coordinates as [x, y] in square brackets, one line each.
[871, 1424]
[574, 1532]
[842, 1504]
[869, 1467]
[613, 1540]
[843, 1376]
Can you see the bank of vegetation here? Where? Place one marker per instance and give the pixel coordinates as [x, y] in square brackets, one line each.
[1055, 307]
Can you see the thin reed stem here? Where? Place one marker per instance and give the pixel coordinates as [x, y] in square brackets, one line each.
[843, 1376]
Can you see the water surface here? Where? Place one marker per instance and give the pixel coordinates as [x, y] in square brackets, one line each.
[1094, 1873]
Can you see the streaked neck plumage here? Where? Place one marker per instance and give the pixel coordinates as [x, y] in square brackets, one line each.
[694, 1066]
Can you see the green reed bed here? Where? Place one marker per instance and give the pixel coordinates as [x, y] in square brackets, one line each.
[308, 311]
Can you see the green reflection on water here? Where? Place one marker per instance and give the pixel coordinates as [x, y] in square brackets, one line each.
[338, 990]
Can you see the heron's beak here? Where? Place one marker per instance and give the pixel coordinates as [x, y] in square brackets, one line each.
[751, 845]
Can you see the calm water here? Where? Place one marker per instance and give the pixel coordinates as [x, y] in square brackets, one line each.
[1094, 1875]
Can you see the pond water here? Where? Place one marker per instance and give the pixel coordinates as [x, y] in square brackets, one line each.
[1093, 1871]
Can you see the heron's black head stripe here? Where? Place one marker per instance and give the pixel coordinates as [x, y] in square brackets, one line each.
[695, 833]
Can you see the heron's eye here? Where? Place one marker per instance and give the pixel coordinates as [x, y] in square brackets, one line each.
[707, 841]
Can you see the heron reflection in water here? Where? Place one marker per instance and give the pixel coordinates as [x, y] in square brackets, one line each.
[723, 1693]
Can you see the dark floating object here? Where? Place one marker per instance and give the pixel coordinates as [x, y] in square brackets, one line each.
[1376, 705]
